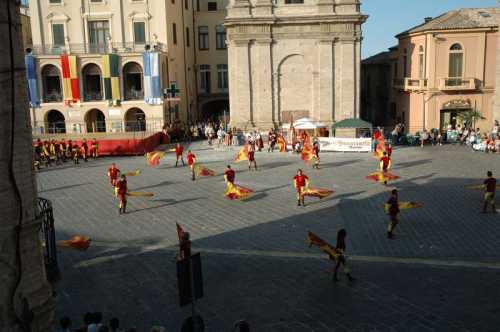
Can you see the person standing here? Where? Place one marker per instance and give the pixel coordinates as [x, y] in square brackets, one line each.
[178, 154]
[76, 154]
[393, 203]
[229, 175]
[385, 164]
[85, 150]
[300, 182]
[191, 160]
[113, 173]
[95, 149]
[272, 140]
[340, 256]
[251, 157]
[489, 196]
[315, 151]
[122, 193]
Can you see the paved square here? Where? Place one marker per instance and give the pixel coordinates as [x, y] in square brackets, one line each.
[440, 274]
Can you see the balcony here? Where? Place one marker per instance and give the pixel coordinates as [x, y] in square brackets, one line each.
[458, 84]
[410, 84]
[94, 48]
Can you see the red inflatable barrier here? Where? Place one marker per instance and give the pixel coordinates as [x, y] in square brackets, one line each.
[124, 146]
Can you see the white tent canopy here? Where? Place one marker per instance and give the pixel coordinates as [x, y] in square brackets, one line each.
[304, 124]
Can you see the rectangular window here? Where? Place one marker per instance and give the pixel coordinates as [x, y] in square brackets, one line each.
[222, 80]
[455, 65]
[203, 37]
[98, 33]
[212, 6]
[220, 37]
[174, 33]
[396, 69]
[58, 34]
[420, 66]
[289, 2]
[205, 78]
[187, 37]
[405, 65]
[139, 32]
[54, 1]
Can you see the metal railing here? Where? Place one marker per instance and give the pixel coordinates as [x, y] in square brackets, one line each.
[410, 84]
[88, 48]
[48, 237]
[134, 95]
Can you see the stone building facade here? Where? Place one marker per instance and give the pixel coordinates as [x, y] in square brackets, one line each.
[186, 33]
[292, 59]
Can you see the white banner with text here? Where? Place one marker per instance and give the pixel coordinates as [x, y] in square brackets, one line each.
[345, 144]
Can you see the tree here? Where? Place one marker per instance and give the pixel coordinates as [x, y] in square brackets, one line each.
[26, 302]
[470, 117]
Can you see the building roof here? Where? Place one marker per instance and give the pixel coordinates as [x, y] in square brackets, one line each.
[463, 18]
[377, 59]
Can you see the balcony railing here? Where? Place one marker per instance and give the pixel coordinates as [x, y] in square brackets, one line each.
[114, 47]
[134, 95]
[92, 96]
[410, 84]
[458, 83]
[53, 98]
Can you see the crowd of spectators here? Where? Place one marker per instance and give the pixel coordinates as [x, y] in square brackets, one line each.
[93, 322]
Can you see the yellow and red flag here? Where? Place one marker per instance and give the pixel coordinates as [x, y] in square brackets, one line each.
[153, 158]
[76, 242]
[307, 153]
[404, 206]
[281, 143]
[314, 240]
[71, 83]
[133, 173]
[382, 176]
[379, 148]
[236, 192]
[242, 155]
[317, 192]
[139, 194]
[201, 170]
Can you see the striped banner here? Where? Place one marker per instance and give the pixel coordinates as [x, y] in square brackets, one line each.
[111, 77]
[152, 86]
[29, 61]
[71, 83]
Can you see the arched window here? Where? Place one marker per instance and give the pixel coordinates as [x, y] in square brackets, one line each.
[92, 82]
[456, 60]
[51, 83]
[132, 81]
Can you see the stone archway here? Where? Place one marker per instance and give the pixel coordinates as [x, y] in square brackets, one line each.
[51, 84]
[295, 87]
[215, 110]
[133, 81]
[95, 121]
[92, 82]
[135, 120]
[55, 123]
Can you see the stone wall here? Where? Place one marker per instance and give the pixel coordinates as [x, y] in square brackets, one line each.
[22, 272]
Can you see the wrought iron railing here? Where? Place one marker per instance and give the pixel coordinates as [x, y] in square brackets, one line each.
[88, 48]
[48, 235]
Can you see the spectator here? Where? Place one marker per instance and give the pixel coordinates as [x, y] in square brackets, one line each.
[424, 137]
[114, 325]
[96, 322]
[241, 326]
[65, 325]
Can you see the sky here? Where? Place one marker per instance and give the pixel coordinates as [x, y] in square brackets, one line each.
[387, 18]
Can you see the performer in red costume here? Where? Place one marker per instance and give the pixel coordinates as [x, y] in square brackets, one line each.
[191, 160]
[178, 154]
[300, 181]
[122, 193]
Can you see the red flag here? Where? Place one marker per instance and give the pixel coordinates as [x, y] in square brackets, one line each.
[76, 242]
[317, 192]
[235, 192]
[382, 176]
[307, 153]
[201, 170]
[153, 158]
[281, 143]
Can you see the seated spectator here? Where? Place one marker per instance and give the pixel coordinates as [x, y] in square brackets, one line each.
[114, 325]
[65, 325]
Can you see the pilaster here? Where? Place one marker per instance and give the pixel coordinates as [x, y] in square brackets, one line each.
[325, 111]
[264, 86]
[347, 79]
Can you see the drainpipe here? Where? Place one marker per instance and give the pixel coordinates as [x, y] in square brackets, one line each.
[185, 62]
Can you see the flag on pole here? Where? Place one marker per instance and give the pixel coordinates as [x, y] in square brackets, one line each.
[153, 158]
[236, 192]
[71, 83]
[152, 86]
[242, 155]
[30, 63]
[201, 170]
[111, 77]
[317, 192]
[382, 176]
[307, 153]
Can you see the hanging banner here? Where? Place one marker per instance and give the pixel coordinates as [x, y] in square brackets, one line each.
[345, 144]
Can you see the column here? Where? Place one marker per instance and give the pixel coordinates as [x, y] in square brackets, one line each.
[325, 111]
[357, 111]
[240, 84]
[264, 87]
[347, 72]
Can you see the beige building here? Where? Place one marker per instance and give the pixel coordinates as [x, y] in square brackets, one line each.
[446, 66]
[211, 57]
[293, 59]
[93, 28]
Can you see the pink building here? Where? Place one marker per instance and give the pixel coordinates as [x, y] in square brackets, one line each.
[444, 67]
